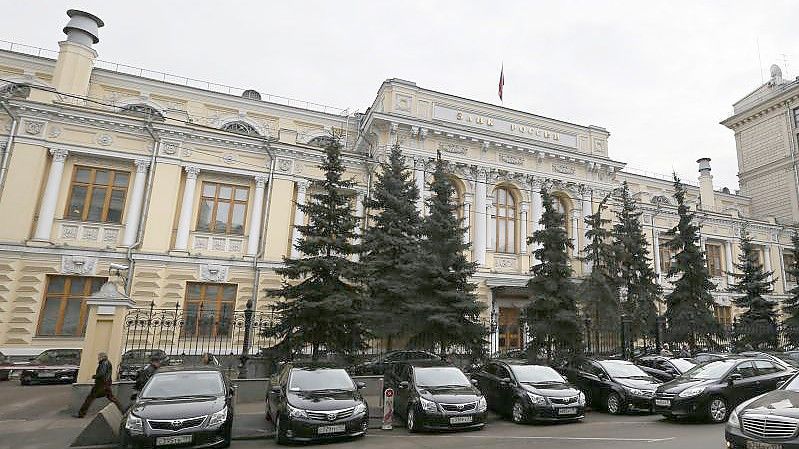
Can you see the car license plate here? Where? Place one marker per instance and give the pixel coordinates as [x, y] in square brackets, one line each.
[460, 420]
[45, 374]
[760, 445]
[567, 411]
[662, 402]
[322, 430]
[179, 439]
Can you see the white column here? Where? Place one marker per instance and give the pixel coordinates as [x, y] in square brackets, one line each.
[480, 218]
[135, 201]
[586, 211]
[576, 233]
[523, 229]
[538, 212]
[467, 222]
[728, 260]
[656, 250]
[491, 212]
[299, 217]
[257, 210]
[767, 259]
[44, 225]
[359, 226]
[419, 177]
[186, 208]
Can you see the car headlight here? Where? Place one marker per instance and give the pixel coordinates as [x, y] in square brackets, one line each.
[359, 409]
[537, 399]
[218, 417]
[581, 399]
[296, 412]
[482, 405]
[636, 392]
[428, 406]
[691, 392]
[732, 421]
[134, 424]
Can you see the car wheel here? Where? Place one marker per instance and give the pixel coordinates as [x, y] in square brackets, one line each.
[717, 409]
[613, 404]
[517, 412]
[280, 434]
[123, 440]
[410, 420]
[25, 380]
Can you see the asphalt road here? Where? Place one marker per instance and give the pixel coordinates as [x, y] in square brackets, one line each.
[597, 431]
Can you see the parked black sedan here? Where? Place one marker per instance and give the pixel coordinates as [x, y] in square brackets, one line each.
[316, 402]
[378, 365]
[181, 407]
[529, 392]
[135, 360]
[433, 395]
[51, 366]
[617, 386]
[769, 421]
[664, 368]
[711, 390]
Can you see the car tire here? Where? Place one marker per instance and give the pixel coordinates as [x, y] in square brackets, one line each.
[280, 435]
[517, 413]
[613, 404]
[588, 398]
[123, 439]
[25, 380]
[410, 420]
[228, 434]
[717, 410]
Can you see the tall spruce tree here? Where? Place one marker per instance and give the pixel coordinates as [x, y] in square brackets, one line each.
[689, 312]
[756, 327]
[790, 309]
[447, 312]
[554, 328]
[638, 277]
[324, 308]
[391, 250]
[600, 291]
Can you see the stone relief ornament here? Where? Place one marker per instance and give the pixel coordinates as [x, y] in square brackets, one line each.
[80, 265]
[213, 273]
[452, 148]
[54, 131]
[104, 139]
[565, 169]
[511, 159]
[284, 165]
[34, 127]
[169, 148]
[229, 159]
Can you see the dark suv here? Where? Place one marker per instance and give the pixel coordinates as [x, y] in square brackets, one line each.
[433, 395]
[312, 401]
[52, 366]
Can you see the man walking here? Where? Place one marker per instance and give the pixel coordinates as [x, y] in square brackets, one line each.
[102, 385]
[145, 374]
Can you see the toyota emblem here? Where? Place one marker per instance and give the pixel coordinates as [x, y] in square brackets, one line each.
[460, 406]
[331, 416]
[176, 423]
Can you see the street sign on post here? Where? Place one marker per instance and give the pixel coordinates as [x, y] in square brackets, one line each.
[388, 409]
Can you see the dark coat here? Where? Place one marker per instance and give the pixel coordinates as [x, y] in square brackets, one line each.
[102, 376]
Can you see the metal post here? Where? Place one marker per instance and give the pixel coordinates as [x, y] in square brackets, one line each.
[587, 322]
[245, 349]
[625, 321]
[659, 322]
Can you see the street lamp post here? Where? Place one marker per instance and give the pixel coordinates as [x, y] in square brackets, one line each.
[587, 322]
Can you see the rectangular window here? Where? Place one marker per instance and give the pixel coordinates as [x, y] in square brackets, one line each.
[97, 194]
[208, 309]
[796, 117]
[64, 309]
[723, 315]
[665, 259]
[788, 261]
[222, 208]
[714, 262]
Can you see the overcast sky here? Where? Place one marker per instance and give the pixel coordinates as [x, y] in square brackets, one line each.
[658, 75]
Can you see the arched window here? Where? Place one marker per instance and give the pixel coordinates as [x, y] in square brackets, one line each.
[457, 196]
[506, 220]
[142, 110]
[241, 127]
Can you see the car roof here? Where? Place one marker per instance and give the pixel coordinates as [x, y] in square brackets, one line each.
[427, 363]
[188, 369]
[311, 365]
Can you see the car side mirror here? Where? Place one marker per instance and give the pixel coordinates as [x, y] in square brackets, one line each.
[276, 390]
[134, 396]
[233, 390]
[403, 385]
[474, 382]
[505, 380]
[360, 385]
[733, 377]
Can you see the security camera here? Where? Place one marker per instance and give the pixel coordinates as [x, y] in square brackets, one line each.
[118, 267]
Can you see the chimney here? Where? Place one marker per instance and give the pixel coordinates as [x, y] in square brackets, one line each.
[76, 55]
[706, 196]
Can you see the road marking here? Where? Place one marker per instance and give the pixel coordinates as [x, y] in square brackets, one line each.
[497, 437]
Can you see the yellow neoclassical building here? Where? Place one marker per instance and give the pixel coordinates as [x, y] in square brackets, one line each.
[193, 185]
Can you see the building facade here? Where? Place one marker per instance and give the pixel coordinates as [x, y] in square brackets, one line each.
[193, 187]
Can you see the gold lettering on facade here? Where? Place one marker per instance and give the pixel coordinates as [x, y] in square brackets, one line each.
[515, 127]
[469, 118]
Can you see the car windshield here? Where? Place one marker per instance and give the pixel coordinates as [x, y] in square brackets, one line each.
[139, 355]
[792, 385]
[682, 364]
[444, 376]
[183, 384]
[623, 370]
[536, 374]
[710, 370]
[320, 380]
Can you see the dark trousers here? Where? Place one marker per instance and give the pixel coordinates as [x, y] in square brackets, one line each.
[99, 391]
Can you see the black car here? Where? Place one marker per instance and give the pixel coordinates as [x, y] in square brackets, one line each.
[617, 386]
[529, 392]
[663, 368]
[308, 402]
[135, 360]
[712, 389]
[378, 365]
[181, 407]
[5, 367]
[51, 366]
[768, 421]
[704, 357]
[433, 395]
[777, 358]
